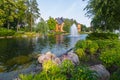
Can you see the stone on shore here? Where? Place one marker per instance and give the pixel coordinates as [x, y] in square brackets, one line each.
[49, 56]
[103, 74]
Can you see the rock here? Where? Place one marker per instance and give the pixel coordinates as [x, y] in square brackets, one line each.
[49, 56]
[74, 58]
[46, 57]
[17, 79]
[57, 61]
[42, 58]
[103, 74]
[71, 56]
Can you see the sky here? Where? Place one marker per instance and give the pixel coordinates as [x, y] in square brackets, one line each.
[64, 8]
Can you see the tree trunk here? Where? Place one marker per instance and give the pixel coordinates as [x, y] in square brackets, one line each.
[17, 26]
[31, 23]
[8, 25]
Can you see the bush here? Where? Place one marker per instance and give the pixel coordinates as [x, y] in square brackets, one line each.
[111, 57]
[101, 36]
[83, 73]
[65, 71]
[80, 52]
[6, 32]
[115, 75]
[88, 46]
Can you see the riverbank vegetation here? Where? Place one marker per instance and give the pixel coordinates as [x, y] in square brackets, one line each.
[104, 51]
[65, 71]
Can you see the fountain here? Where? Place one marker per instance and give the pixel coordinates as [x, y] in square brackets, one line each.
[74, 31]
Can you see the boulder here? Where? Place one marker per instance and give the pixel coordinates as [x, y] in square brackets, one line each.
[71, 56]
[49, 56]
[57, 60]
[103, 74]
[45, 57]
[74, 58]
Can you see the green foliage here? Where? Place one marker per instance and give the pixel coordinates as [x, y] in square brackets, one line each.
[68, 24]
[98, 36]
[115, 75]
[83, 73]
[26, 77]
[65, 71]
[18, 12]
[51, 23]
[84, 28]
[80, 52]
[80, 44]
[5, 32]
[111, 57]
[88, 46]
[51, 67]
[42, 27]
[67, 66]
[105, 13]
[32, 12]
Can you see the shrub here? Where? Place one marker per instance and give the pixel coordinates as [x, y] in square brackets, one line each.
[80, 44]
[26, 77]
[67, 66]
[65, 71]
[83, 73]
[6, 32]
[115, 75]
[111, 57]
[101, 36]
[88, 46]
[80, 52]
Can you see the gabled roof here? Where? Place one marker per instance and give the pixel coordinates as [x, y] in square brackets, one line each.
[60, 20]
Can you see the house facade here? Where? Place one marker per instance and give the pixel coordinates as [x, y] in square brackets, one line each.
[59, 24]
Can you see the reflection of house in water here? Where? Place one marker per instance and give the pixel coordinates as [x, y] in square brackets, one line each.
[79, 27]
[59, 39]
[59, 24]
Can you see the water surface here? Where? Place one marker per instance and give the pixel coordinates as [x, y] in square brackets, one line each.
[17, 54]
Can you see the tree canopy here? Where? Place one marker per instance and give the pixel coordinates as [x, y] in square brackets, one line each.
[18, 12]
[104, 13]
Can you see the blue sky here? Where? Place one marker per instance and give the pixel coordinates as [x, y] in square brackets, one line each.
[64, 8]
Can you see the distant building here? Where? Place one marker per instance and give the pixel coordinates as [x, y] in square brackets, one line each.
[59, 24]
[79, 27]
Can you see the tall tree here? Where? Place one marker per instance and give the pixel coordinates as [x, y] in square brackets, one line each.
[51, 23]
[104, 13]
[12, 12]
[32, 12]
[20, 11]
[8, 6]
[42, 27]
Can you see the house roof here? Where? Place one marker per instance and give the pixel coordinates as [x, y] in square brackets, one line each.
[60, 20]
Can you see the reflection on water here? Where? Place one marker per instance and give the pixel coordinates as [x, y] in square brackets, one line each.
[17, 53]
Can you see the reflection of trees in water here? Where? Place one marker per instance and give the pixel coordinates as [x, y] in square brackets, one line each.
[11, 49]
[15, 52]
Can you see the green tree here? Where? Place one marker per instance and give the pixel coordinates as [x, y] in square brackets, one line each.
[42, 27]
[8, 7]
[68, 24]
[12, 12]
[83, 28]
[104, 13]
[32, 12]
[21, 8]
[51, 23]
[2, 19]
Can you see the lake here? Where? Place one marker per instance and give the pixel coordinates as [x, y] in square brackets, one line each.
[18, 55]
